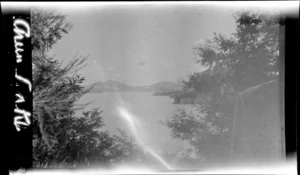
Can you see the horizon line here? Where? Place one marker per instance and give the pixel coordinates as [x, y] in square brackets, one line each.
[131, 84]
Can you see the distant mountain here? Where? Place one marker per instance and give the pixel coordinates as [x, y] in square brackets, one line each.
[109, 86]
[115, 86]
[166, 85]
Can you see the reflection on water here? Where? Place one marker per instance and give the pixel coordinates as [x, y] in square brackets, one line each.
[137, 130]
[140, 114]
[149, 109]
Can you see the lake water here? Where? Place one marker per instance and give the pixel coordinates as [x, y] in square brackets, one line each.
[149, 111]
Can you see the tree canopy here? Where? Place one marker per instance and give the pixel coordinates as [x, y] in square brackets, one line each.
[250, 56]
[62, 136]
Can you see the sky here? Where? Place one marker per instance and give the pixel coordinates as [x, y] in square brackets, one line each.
[144, 43]
[140, 45]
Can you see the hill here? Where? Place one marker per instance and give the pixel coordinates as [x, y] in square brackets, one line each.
[115, 86]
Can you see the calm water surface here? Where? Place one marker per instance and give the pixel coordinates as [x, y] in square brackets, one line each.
[149, 110]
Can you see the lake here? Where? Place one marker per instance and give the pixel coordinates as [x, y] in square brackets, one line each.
[149, 111]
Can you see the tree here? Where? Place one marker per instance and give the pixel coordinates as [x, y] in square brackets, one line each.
[249, 57]
[62, 137]
[126, 151]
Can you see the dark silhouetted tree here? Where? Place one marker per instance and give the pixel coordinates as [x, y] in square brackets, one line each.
[61, 136]
[248, 57]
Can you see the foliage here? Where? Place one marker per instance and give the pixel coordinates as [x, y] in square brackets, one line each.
[47, 28]
[79, 141]
[61, 136]
[126, 151]
[250, 56]
[247, 58]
